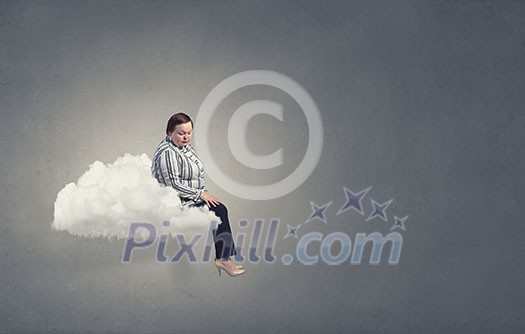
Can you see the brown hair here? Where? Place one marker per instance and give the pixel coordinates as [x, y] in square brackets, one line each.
[176, 119]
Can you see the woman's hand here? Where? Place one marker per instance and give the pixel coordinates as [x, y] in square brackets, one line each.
[209, 199]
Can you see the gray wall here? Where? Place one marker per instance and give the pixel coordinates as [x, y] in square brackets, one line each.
[422, 100]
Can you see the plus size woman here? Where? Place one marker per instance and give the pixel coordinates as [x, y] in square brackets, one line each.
[175, 164]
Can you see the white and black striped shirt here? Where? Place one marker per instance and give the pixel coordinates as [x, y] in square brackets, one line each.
[180, 168]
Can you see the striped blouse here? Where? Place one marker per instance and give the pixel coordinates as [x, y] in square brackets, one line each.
[180, 168]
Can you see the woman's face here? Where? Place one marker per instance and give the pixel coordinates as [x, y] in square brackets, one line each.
[181, 136]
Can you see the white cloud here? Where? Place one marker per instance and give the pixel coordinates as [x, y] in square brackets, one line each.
[108, 198]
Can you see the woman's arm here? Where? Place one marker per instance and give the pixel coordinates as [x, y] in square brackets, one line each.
[170, 174]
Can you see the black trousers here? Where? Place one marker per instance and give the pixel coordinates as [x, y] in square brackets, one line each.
[222, 236]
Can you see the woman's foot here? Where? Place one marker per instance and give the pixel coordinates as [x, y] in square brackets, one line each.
[229, 267]
[238, 266]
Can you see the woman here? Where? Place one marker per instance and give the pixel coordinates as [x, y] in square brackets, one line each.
[176, 164]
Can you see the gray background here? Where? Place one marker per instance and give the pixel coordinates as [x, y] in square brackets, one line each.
[422, 100]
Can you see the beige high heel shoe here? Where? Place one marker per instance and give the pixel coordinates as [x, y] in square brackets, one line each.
[232, 272]
[238, 266]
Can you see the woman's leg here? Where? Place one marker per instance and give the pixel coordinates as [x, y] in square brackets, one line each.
[223, 238]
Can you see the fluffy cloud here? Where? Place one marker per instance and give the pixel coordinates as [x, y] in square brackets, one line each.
[109, 197]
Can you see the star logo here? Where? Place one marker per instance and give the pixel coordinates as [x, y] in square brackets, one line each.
[318, 212]
[400, 223]
[379, 210]
[353, 201]
[292, 231]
